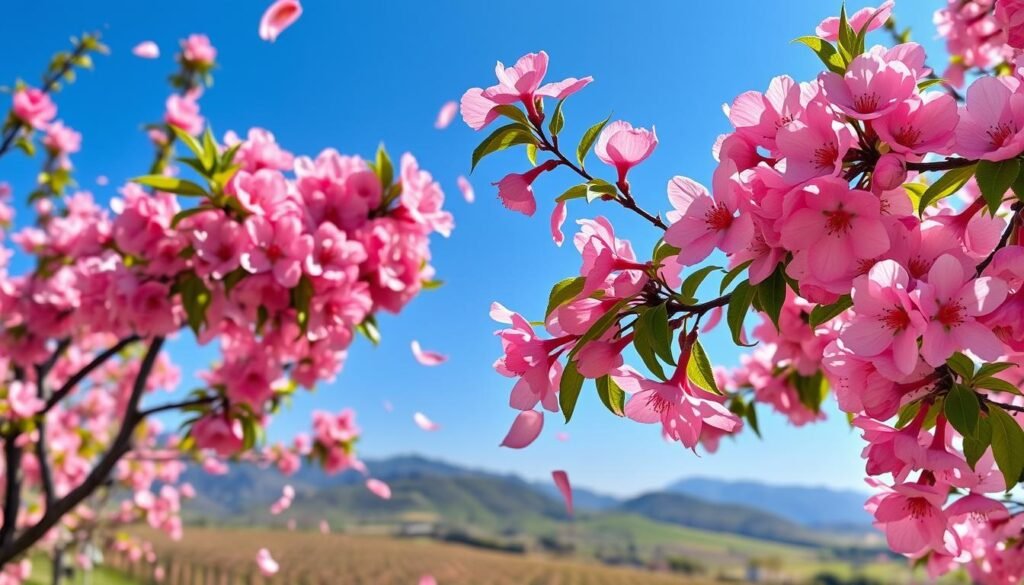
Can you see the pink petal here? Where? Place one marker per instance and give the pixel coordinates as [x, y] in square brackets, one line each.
[557, 219]
[428, 580]
[425, 423]
[446, 115]
[525, 429]
[266, 564]
[562, 483]
[714, 317]
[562, 436]
[379, 488]
[146, 50]
[467, 190]
[279, 16]
[102, 181]
[427, 357]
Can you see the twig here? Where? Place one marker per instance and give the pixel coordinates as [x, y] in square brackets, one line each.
[81, 374]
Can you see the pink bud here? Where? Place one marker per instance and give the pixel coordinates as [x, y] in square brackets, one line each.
[890, 172]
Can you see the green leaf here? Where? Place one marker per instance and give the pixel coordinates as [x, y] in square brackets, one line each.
[663, 251]
[907, 413]
[178, 217]
[557, 119]
[513, 113]
[383, 167]
[574, 192]
[811, 390]
[563, 292]
[929, 83]
[644, 334]
[1007, 445]
[502, 138]
[732, 274]
[195, 298]
[369, 329]
[976, 444]
[997, 385]
[962, 365]
[599, 188]
[699, 370]
[569, 389]
[188, 140]
[693, 282]
[589, 137]
[599, 327]
[771, 294]
[962, 409]
[915, 191]
[171, 185]
[825, 313]
[751, 416]
[302, 294]
[209, 155]
[990, 369]
[944, 186]
[995, 179]
[847, 37]
[825, 51]
[431, 284]
[613, 398]
[531, 154]
[739, 304]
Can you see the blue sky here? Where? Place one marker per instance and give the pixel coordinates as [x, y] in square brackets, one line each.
[351, 74]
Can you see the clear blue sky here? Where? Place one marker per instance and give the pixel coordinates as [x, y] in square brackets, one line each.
[351, 74]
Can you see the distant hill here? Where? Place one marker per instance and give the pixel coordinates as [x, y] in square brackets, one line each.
[691, 512]
[815, 507]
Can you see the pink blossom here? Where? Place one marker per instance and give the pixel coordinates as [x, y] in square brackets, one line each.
[912, 518]
[561, 480]
[196, 50]
[22, 400]
[926, 123]
[267, 565]
[422, 198]
[525, 429]
[758, 117]
[701, 223]
[220, 244]
[890, 172]
[621, 146]
[992, 122]
[425, 423]
[813, 145]
[334, 257]
[279, 16]
[466, 188]
[519, 83]
[33, 107]
[183, 113]
[871, 87]
[61, 139]
[427, 357]
[516, 190]
[886, 317]
[219, 433]
[146, 50]
[446, 114]
[280, 247]
[379, 488]
[837, 228]
[1010, 17]
[872, 18]
[951, 300]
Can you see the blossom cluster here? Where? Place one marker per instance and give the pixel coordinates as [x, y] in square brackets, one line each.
[869, 278]
[279, 260]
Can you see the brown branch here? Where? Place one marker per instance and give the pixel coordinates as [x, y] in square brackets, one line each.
[700, 308]
[100, 473]
[83, 373]
[942, 165]
[177, 405]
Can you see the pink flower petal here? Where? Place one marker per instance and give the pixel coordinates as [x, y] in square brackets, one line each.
[425, 423]
[102, 181]
[446, 115]
[146, 50]
[525, 429]
[267, 565]
[467, 190]
[557, 219]
[379, 488]
[427, 357]
[562, 436]
[561, 479]
[279, 16]
[428, 580]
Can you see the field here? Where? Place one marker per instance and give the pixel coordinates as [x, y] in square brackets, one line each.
[226, 557]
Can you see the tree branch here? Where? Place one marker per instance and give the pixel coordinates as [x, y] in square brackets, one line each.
[177, 405]
[99, 474]
[81, 374]
[941, 165]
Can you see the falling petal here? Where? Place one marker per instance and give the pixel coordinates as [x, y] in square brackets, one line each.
[267, 565]
[713, 318]
[446, 115]
[557, 219]
[562, 436]
[146, 50]
[427, 357]
[428, 580]
[102, 181]
[279, 16]
[562, 483]
[467, 190]
[379, 488]
[525, 429]
[425, 423]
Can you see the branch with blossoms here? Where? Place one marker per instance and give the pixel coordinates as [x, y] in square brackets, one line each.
[281, 259]
[831, 202]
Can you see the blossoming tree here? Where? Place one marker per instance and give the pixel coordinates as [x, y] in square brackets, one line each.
[831, 203]
[279, 260]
